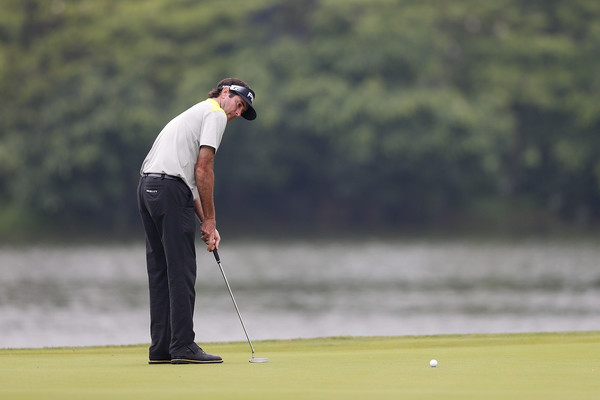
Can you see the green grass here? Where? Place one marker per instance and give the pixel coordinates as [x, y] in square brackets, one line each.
[515, 366]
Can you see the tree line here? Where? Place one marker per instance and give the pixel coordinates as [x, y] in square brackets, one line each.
[373, 114]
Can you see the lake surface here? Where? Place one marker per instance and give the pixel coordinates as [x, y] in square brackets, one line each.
[97, 294]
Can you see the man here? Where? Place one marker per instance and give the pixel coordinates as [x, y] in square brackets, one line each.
[175, 187]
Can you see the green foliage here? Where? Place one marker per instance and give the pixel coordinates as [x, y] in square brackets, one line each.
[373, 113]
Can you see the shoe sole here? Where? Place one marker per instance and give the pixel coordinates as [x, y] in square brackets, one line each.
[188, 361]
[153, 362]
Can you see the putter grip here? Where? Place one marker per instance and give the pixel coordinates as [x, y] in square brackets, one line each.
[216, 254]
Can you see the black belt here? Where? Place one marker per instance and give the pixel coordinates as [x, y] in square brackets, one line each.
[164, 176]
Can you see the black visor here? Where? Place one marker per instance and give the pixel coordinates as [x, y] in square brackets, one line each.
[247, 95]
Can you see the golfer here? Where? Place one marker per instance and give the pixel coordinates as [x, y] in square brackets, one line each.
[176, 186]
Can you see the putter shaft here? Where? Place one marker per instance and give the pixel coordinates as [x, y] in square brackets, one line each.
[216, 254]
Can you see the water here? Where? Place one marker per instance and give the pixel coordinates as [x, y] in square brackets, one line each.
[97, 295]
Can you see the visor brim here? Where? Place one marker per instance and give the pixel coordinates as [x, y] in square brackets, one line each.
[249, 114]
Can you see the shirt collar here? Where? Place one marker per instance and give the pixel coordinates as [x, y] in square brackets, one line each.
[215, 105]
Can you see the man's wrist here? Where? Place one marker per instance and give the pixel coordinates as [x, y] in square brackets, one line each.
[209, 222]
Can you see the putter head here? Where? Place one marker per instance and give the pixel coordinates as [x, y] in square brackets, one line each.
[259, 360]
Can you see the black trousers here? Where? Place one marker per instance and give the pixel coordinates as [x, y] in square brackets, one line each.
[167, 210]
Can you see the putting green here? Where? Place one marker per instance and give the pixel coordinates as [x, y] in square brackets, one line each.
[515, 366]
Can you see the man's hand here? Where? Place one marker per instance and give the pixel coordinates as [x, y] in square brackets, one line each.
[210, 235]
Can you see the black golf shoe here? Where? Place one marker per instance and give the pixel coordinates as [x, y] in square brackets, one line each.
[195, 355]
[164, 361]
[159, 358]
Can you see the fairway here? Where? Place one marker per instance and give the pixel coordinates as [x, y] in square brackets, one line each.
[513, 366]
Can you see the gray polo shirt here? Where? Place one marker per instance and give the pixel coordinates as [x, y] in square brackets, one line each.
[175, 150]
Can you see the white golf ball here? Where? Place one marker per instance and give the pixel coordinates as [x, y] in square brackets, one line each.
[433, 363]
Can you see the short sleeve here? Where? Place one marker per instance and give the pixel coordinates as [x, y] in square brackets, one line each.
[213, 128]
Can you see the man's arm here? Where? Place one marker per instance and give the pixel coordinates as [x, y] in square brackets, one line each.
[205, 206]
[198, 209]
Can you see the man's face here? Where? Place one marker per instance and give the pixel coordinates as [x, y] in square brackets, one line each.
[233, 106]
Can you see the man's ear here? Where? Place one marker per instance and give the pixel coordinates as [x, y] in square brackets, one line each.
[225, 91]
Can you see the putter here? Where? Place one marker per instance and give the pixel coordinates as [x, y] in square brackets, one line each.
[252, 360]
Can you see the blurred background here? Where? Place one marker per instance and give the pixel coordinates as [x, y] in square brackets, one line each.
[416, 167]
